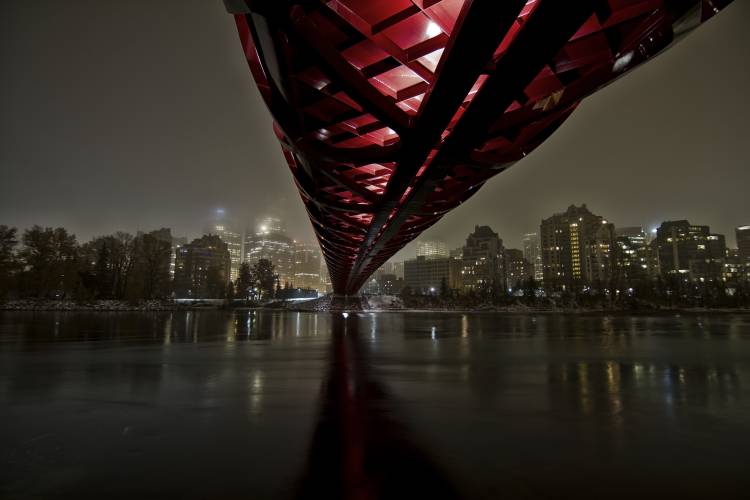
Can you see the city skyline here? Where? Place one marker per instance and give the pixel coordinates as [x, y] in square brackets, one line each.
[359, 249]
[166, 158]
[224, 222]
[422, 246]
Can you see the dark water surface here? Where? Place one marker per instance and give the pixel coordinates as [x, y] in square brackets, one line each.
[253, 405]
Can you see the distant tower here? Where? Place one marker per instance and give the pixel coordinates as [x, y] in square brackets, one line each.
[221, 226]
[483, 260]
[743, 245]
[690, 251]
[631, 256]
[202, 269]
[576, 249]
[432, 249]
[268, 240]
[532, 252]
[517, 268]
[307, 260]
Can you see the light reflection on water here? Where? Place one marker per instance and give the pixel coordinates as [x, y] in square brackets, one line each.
[498, 399]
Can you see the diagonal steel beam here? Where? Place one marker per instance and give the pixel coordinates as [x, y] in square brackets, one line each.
[547, 30]
[481, 28]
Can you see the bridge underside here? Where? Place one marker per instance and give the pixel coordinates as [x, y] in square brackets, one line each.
[391, 113]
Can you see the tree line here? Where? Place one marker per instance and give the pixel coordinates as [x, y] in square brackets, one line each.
[49, 263]
[44, 263]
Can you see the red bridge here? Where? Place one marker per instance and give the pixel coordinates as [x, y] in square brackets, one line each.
[390, 113]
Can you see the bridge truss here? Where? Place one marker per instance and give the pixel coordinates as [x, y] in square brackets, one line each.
[391, 113]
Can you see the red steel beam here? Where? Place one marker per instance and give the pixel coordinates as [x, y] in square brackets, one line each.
[392, 113]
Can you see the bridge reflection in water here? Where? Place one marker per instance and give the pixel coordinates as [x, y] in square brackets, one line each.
[261, 404]
[360, 449]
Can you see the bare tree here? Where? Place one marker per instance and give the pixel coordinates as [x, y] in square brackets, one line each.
[8, 259]
[50, 258]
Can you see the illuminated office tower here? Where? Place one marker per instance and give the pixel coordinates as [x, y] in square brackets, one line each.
[268, 240]
[743, 250]
[325, 278]
[577, 249]
[202, 269]
[177, 242]
[222, 228]
[432, 249]
[631, 256]
[482, 261]
[532, 252]
[734, 272]
[743, 242]
[394, 268]
[518, 269]
[690, 251]
[307, 260]
[390, 277]
[427, 276]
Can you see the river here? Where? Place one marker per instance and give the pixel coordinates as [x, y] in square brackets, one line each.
[264, 404]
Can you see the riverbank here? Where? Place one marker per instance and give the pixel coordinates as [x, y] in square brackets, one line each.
[98, 305]
[394, 304]
[328, 304]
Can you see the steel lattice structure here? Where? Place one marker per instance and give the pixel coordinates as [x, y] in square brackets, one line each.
[391, 113]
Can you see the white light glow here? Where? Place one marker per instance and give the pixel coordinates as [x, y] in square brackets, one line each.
[622, 62]
[432, 29]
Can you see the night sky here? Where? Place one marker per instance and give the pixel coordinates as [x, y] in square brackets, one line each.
[142, 114]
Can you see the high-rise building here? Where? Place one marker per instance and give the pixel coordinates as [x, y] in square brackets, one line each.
[743, 241]
[734, 271]
[432, 249]
[202, 269]
[395, 268]
[576, 249]
[631, 256]
[743, 250]
[518, 270]
[307, 267]
[427, 276]
[268, 240]
[177, 242]
[690, 251]
[532, 252]
[599, 257]
[390, 278]
[482, 260]
[325, 278]
[654, 270]
[222, 228]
